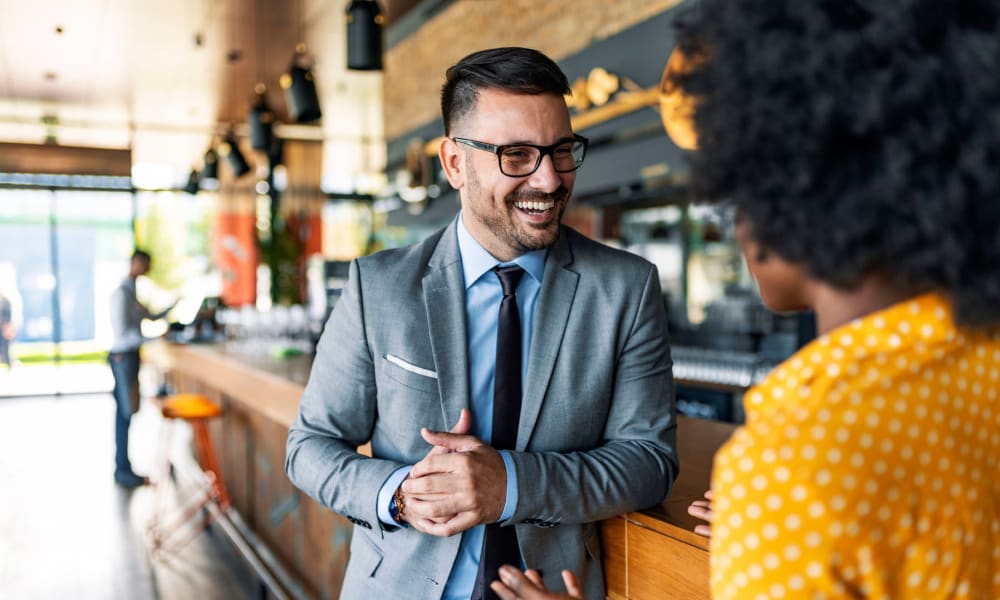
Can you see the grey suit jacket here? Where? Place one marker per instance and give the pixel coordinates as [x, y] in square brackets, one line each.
[597, 429]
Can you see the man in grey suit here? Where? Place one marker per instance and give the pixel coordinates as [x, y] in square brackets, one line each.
[410, 361]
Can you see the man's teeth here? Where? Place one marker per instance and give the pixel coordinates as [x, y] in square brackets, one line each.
[536, 206]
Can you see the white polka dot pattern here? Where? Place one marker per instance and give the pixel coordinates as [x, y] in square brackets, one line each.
[867, 468]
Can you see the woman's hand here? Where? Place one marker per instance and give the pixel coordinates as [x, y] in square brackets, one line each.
[515, 585]
[702, 509]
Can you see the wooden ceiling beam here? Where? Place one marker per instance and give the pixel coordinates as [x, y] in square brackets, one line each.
[71, 160]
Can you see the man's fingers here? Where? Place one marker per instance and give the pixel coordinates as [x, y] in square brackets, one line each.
[452, 442]
[464, 423]
[448, 528]
[461, 427]
[705, 530]
[432, 464]
[434, 507]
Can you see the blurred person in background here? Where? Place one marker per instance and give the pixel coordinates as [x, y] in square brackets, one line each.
[7, 329]
[127, 314]
[858, 141]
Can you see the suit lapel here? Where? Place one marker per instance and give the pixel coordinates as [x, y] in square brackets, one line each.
[444, 301]
[555, 299]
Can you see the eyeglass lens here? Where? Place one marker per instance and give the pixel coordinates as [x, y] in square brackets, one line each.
[523, 160]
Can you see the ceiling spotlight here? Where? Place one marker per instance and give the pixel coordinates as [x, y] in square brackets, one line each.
[261, 121]
[230, 150]
[300, 89]
[211, 168]
[364, 35]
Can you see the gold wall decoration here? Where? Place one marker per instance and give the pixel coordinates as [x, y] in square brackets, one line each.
[676, 107]
[596, 89]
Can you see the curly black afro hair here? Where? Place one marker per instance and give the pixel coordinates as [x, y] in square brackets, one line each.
[857, 136]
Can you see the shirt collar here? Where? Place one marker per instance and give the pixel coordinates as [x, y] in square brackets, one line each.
[476, 260]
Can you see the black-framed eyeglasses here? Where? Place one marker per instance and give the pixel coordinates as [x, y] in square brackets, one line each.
[521, 160]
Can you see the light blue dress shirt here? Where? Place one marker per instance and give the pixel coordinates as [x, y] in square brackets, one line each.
[482, 307]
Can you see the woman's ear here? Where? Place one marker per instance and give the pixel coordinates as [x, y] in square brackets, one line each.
[782, 284]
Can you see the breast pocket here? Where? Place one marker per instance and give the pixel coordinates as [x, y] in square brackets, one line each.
[410, 374]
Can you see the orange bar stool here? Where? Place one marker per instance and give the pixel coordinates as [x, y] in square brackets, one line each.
[210, 492]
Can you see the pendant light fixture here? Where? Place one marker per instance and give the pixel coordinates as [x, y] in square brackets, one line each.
[230, 150]
[364, 35]
[261, 120]
[193, 182]
[300, 88]
[210, 170]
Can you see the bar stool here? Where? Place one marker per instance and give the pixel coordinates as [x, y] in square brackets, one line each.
[210, 491]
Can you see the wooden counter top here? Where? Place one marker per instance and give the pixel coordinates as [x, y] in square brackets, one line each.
[660, 538]
[271, 386]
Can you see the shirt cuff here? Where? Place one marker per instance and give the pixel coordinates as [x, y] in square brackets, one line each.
[387, 491]
[510, 503]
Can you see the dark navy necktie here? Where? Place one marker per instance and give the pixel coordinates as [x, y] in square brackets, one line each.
[500, 543]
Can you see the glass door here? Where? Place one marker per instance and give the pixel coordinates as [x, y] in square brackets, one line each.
[62, 252]
[27, 285]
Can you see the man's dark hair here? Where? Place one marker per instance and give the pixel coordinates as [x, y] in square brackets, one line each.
[517, 70]
[141, 254]
[858, 137]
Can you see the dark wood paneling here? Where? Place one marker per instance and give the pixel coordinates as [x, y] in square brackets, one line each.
[71, 160]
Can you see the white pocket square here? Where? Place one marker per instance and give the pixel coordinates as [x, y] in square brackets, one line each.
[402, 364]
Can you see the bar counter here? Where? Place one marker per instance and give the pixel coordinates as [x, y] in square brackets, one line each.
[647, 554]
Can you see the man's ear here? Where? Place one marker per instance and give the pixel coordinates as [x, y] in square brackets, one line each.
[451, 160]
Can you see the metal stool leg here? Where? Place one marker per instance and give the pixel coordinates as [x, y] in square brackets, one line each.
[209, 490]
[210, 462]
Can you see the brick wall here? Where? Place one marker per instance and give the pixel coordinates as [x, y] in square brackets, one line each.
[414, 68]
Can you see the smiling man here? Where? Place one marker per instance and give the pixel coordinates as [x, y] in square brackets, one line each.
[512, 376]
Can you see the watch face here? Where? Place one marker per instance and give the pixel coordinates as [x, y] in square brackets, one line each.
[393, 509]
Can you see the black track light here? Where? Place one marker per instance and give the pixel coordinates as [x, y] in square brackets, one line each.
[300, 89]
[193, 182]
[364, 35]
[230, 150]
[261, 120]
[211, 168]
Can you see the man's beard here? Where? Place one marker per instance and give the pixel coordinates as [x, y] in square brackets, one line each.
[526, 243]
[502, 223]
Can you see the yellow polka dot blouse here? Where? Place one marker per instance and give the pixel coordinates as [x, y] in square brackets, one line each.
[867, 467]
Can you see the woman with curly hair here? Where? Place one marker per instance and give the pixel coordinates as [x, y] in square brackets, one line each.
[860, 142]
